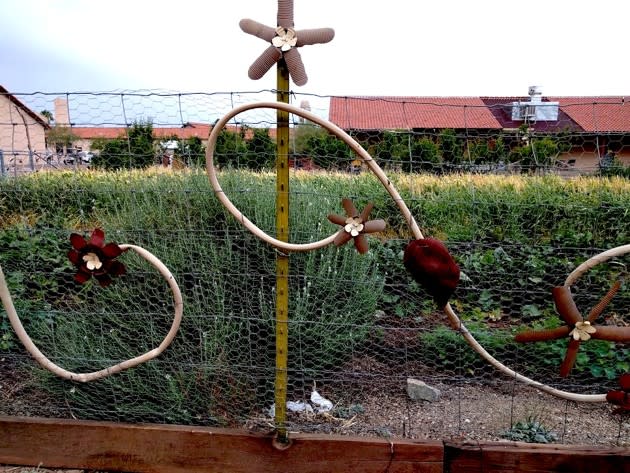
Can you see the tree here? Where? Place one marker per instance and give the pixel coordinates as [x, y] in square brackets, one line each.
[425, 155]
[141, 151]
[261, 150]
[134, 151]
[61, 138]
[48, 115]
[547, 151]
[302, 133]
[326, 150]
[114, 155]
[229, 149]
[193, 151]
[393, 148]
[479, 151]
[98, 143]
[497, 149]
[187, 152]
[450, 146]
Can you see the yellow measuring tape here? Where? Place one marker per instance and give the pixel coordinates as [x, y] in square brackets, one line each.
[282, 261]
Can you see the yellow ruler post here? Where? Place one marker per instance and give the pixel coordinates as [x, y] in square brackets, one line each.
[282, 260]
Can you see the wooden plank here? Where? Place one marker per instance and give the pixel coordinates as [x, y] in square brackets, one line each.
[60, 443]
[517, 457]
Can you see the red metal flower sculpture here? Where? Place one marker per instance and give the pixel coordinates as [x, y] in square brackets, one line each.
[284, 43]
[433, 267]
[95, 258]
[621, 398]
[577, 328]
[356, 226]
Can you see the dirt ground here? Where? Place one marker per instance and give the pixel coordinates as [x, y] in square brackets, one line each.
[464, 411]
[469, 412]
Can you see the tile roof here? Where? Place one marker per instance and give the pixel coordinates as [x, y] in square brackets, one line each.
[375, 113]
[189, 130]
[581, 114]
[90, 133]
[597, 114]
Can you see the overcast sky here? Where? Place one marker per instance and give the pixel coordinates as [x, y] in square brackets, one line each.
[393, 47]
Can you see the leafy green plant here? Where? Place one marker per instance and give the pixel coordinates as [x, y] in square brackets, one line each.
[128, 152]
[530, 430]
[347, 412]
[451, 146]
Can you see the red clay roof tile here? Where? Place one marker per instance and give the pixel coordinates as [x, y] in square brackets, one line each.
[375, 113]
[597, 114]
[590, 114]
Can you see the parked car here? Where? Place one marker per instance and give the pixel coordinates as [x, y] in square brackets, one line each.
[82, 156]
[86, 156]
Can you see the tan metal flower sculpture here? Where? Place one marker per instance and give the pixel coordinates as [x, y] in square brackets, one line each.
[577, 329]
[355, 226]
[284, 41]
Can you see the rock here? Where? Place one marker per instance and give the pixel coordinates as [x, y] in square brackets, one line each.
[380, 314]
[421, 391]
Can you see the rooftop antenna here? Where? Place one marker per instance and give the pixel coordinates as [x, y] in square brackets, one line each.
[535, 93]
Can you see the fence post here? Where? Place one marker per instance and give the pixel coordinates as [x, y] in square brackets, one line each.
[2, 170]
[282, 260]
[31, 162]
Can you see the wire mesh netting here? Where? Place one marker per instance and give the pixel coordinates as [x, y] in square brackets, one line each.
[362, 333]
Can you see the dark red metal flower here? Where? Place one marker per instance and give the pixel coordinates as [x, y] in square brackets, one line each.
[95, 258]
[621, 397]
[433, 267]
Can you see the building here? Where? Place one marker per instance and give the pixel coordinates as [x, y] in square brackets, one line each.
[87, 135]
[590, 127]
[22, 132]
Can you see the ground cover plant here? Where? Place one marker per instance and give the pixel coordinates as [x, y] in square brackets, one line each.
[514, 237]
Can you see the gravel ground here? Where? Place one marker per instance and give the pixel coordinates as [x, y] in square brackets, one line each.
[469, 412]
[472, 411]
[477, 412]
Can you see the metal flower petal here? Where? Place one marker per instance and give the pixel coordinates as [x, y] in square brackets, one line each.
[582, 331]
[285, 38]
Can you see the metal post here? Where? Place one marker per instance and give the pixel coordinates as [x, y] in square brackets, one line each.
[282, 260]
[2, 170]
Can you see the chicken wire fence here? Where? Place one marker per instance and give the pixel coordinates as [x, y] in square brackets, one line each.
[568, 136]
[362, 333]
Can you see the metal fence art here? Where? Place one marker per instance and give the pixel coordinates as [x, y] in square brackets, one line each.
[355, 226]
[302, 294]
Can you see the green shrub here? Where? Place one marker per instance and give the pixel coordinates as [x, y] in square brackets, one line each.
[530, 430]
